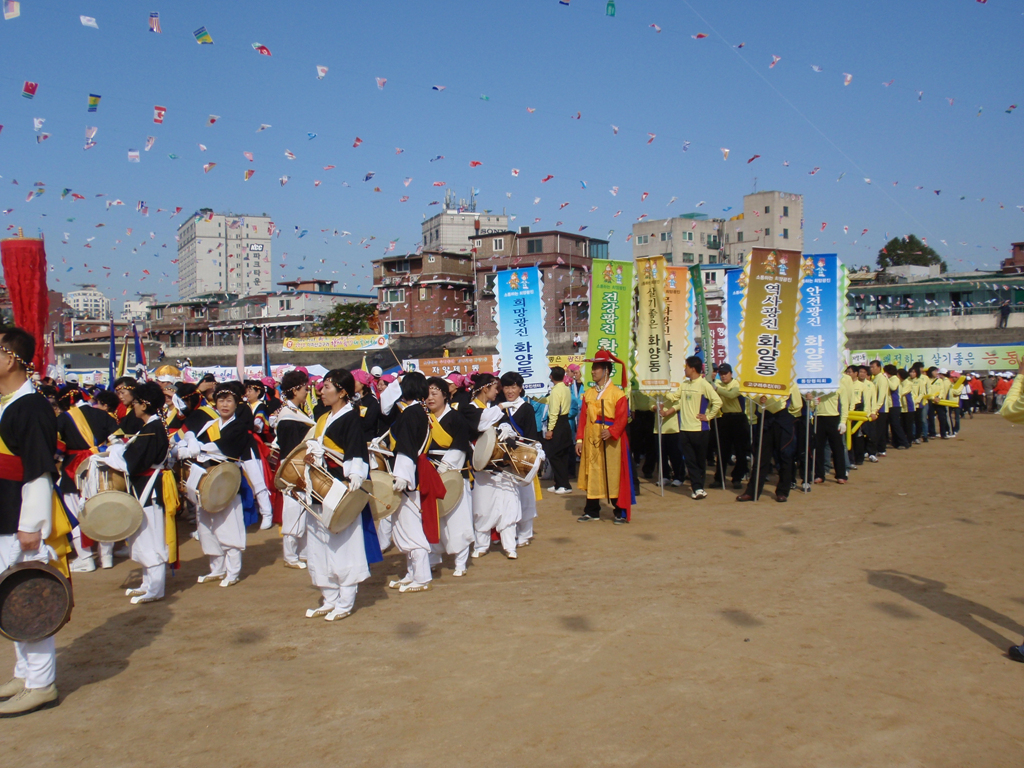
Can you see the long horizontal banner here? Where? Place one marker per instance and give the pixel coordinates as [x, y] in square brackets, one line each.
[335, 343]
[998, 357]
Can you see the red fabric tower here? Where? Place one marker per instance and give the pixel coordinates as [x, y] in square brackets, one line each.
[24, 263]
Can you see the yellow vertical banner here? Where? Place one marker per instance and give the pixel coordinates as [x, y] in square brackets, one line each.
[768, 329]
[652, 362]
[679, 320]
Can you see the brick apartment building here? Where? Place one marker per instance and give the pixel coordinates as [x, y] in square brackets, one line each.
[425, 294]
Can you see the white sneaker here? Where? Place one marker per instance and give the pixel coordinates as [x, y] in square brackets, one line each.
[873, 459]
[194, 535]
[552, 489]
[700, 493]
[266, 523]
[512, 555]
[676, 483]
[228, 582]
[563, 491]
[83, 565]
[337, 615]
[477, 553]
[106, 561]
[459, 573]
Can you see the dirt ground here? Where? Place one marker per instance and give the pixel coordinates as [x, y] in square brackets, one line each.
[863, 625]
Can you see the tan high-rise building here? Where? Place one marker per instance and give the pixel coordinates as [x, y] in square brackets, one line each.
[224, 253]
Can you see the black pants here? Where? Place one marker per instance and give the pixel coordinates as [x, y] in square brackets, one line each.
[826, 430]
[672, 464]
[643, 440]
[593, 508]
[695, 452]
[734, 434]
[560, 452]
[879, 432]
[899, 438]
[940, 412]
[909, 425]
[779, 442]
[859, 441]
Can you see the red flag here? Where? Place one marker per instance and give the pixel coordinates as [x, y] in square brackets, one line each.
[158, 115]
[752, 159]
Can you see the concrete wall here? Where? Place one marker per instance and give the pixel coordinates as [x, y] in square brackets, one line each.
[935, 331]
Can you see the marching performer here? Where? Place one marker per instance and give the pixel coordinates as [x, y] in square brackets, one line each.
[142, 458]
[169, 378]
[338, 562]
[226, 438]
[369, 405]
[292, 425]
[777, 441]
[127, 422]
[449, 450]
[496, 504]
[81, 430]
[602, 443]
[28, 442]
[523, 419]
[416, 525]
[254, 393]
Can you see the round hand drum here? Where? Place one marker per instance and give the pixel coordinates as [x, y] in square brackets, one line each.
[453, 488]
[383, 499]
[35, 602]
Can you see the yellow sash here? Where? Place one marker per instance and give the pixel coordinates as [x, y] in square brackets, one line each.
[171, 414]
[438, 434]
[214, 431]
[321, 426]
[60, 530]
[171, 502]
[83, 427]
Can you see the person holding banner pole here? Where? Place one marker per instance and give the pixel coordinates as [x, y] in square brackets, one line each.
[881, 406]
[558, 435]
[778, 418]
[832, 411]
[696, 404]
[670, 446]
[602, 443]
[733, 427]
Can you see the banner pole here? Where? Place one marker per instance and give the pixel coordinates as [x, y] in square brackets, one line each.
[807, 446]
[661, 464]
[814, 456]
[722, 463]
[604, 455]
[760, 442]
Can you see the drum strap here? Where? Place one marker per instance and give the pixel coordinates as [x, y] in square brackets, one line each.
[11, 467]
[82, 425]
[438, 434]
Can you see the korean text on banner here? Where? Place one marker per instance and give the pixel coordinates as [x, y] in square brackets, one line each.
[678, 320]
[442, 366]
[732, 312]
[522, 339]
[335, 343]
[652, 363]
[994, 357]
[700, 307]
[611, 308]
[768, 330]
[818, 356]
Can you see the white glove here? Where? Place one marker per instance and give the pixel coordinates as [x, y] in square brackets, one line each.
[315, 449]
[114, 457]
[210, 447]
[842, 428]
[400, 484]
[505, 432]
[355, 484]
[442, 468]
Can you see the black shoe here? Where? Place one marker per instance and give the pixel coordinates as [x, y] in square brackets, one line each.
[737, 483]
[1015, 653]
[585, 518]
[620, 520]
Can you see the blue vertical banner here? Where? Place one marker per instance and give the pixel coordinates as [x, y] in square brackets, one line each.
[818, 358]
[522, 339]
[732, 313]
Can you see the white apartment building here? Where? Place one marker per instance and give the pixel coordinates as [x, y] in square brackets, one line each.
[138, 310]
[89, 303]
[451, 230]
[769, 220]
[224, 253]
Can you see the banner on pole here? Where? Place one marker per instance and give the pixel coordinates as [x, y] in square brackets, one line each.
[334, 343]
[732, 312]
[768, 329]
[611, 308]
[718, 340]
[522, 339]
[995, 357]
[818, 355]
[679, 320]
[700, 307]
[652, 361]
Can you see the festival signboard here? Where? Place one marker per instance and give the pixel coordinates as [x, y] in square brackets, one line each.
[716, 329]
[818, 363]
[522, 338]
[611, 308]
[768, 329]
[335, 343]
[679, 320]
[651, 366]
[995, 357]
[442, 366]
[732, 313]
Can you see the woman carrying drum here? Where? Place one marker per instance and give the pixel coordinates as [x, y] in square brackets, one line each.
[142, 458]
[448, 450]
[338, 562]
[369, 405]
[524, 419]
[495, 495]
[292, 425]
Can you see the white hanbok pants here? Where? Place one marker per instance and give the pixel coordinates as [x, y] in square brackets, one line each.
[336, 561]
[148, 547]
[222, 537]
[293, 529]
[495, 505]
[528, 504]
[407, 533]
[457, 531]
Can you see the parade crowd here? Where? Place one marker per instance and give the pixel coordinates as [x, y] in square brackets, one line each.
[358, 462]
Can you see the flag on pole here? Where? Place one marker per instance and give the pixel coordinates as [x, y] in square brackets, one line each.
[263, 350]
[113, 355]
[94, 101]
[140, 351]
[240, 359]
[154, 22]
[122, 364]
[203, 37]
[367, 370]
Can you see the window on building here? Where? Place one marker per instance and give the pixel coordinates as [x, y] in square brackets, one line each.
[700, 258]
[467, 295]
[687, 258]
[453, 325]
[394, 296]
[666, 236]
[401, 266]
[498, 244]
[785, 211]
[425, 293]
[394, 326]
[739, 237]
[688, 236]
[709, 278]
[785, 234]
[667, 257]
[536, 245]
[767, 231]
[642, 239]
[767, 209]
[478, 243]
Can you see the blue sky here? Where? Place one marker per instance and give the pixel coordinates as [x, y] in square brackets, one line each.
[538, 54]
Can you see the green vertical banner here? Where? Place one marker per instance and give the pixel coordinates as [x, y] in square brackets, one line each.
[611, 308]
[700, 305]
